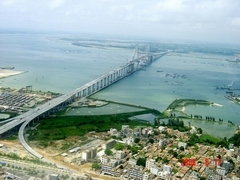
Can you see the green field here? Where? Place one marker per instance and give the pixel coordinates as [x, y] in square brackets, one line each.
[209, 138]
[61, 127]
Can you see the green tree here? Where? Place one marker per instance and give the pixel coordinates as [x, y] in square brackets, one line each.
[156, 132]
[181, 148]
[165, 160]
[133, 149]
[223, 143]
[119, 146]
[193, 140]
[141, 162]
[158, 159]
[200, 130]
[175, 154]
[137, 140]
[108, 152]
[235, 139]
[95, 166]
[151, 141]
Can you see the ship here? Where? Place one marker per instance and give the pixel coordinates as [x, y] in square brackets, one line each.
[8, 67]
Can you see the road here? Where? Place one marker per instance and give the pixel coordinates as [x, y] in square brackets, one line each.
[26, 166]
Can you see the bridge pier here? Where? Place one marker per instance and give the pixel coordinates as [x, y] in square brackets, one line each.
[89, 90]
[84, 92]
[111, 78]
[150, 59]
[98, 85]
[93, 88]
[105, 81]
[108, 80]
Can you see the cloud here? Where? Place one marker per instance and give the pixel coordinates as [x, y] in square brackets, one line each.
[53, 4]
[8, 2]
[236, 22]
[160, 18]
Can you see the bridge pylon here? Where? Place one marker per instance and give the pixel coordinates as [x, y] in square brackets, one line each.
[136, 53]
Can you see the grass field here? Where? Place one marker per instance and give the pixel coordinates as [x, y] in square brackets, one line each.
[207, 137]
[61, 127]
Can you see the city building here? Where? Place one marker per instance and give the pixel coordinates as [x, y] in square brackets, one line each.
[150, 163]
[161, 129]
[226, 166]
[89, 154]
[110, 170]
[154, 170]
[230, 152]
[221, 170]
[128, 140]
[109, 144]
[193, 130]
[136, 172]
[162, 143]
[194, 176]
[120, 154]
[104, 159]
[125, 129]
[132, 162]
[74, 150]
[167, 169]
[182, 144]
[137, 132]
[113, 132]
[53, 177]
[145, 176]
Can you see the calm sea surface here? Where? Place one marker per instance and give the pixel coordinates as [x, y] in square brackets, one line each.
[57, 65]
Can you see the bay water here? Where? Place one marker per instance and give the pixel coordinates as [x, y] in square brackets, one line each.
[53, 64]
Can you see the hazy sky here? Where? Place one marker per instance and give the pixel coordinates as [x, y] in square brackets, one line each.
[207, 20]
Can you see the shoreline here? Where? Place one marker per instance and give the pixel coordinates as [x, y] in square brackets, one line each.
[4, 73]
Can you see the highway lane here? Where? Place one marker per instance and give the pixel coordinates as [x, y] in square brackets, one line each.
[23, 142]
[13, 122]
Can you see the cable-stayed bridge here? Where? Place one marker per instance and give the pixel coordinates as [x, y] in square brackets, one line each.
[84, 91]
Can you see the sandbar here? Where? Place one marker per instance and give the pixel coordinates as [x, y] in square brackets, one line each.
[8, 72]
[219, 105]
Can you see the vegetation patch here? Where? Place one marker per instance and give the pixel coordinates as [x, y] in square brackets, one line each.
[185, 102]
[209, 138]
[66, 146]
[60, 127]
